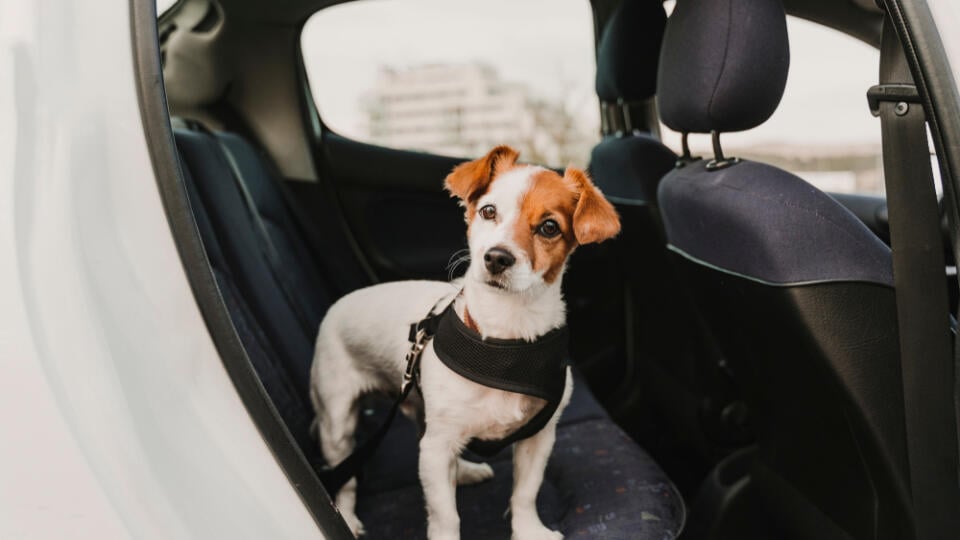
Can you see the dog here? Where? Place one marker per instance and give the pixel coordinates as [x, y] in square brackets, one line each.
[523, 222]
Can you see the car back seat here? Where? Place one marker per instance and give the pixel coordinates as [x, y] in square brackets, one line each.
[598, 482]
[679, 397]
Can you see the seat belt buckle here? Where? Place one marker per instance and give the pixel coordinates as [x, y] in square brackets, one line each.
[898, 93]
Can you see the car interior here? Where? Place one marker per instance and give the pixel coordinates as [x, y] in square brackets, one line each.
[736, 347]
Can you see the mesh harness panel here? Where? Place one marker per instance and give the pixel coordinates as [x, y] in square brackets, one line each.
[533, 368]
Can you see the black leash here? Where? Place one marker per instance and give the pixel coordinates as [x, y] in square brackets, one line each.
[421, 332]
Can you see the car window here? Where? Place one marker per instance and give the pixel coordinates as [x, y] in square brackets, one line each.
[823, 130]
[163, 5]
[456, 77]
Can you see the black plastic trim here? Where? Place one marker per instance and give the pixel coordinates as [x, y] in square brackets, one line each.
[935, 81]
[929, 67]
[176, 204]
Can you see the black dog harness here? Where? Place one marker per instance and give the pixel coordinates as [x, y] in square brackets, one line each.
[534, 368]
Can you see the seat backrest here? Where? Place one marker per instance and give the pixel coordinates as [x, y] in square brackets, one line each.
[272, 283]
[674, 385]
[629, 162]
[273, 374]
[798, 291]
[239, 240]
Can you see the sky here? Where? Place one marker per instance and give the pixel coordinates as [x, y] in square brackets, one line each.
[947, 15]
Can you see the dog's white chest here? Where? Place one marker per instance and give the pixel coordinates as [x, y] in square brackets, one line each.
[497, 414]
[473, 410]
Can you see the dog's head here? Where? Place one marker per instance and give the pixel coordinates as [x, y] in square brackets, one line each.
[524, 221]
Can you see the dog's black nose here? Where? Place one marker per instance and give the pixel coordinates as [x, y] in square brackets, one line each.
[498, 260]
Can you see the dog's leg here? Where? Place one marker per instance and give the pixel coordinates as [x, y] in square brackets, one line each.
[438, 472]
[529, 461]
[337, 422]
[469, 472]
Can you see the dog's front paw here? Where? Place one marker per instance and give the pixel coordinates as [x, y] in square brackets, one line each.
[534, 532]
[356, 527]
[469, 472]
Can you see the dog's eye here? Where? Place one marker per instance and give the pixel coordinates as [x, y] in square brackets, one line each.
[549, 228]
[488, 212]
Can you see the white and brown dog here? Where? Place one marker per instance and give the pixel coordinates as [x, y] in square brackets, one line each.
[522, 224]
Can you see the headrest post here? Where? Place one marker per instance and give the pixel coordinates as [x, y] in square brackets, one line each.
[625, 111]
[719, 161]
[717, 150]
[687, 156]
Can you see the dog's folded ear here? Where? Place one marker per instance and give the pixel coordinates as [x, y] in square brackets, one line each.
[470, 180]
[594, 219]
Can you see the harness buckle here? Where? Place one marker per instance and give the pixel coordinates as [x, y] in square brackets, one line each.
[413, 358]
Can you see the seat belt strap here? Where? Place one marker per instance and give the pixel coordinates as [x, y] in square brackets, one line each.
[923, 311]
[267, 247]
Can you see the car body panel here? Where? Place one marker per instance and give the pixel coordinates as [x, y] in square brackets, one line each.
[120, 419]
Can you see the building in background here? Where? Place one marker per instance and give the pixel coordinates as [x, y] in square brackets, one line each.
[466, 109]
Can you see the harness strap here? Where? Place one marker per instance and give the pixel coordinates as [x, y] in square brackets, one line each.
[268, 250]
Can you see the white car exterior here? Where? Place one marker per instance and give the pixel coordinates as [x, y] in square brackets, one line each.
[117, 418]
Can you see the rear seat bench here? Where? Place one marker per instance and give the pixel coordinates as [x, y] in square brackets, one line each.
[598, 483]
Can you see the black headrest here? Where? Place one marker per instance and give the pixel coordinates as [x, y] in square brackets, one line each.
[628, 51]
[723, 66]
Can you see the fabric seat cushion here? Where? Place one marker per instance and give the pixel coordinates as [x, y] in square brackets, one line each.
[598, 484]
[622, 493]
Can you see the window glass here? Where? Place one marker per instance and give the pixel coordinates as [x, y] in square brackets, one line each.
[823, 130]
[163, 5]
[947, 15]
[457, 77]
